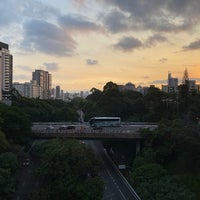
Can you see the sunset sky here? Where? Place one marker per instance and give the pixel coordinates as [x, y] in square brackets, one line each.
[86, 43]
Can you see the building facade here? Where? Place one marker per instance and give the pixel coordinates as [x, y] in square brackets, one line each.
[172, 85]
[58, 96]
[44, 80]
[6, 72]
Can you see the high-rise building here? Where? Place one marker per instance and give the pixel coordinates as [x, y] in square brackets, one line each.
[35, 90]
[172, 84]
[57, 92]
[43, 79]
[6, 72]
[22, 88]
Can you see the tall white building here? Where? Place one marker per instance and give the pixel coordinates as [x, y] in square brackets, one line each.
[6, 71]
[172, 85]
[35, 90]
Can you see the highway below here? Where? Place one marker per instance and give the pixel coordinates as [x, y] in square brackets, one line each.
[116, 186]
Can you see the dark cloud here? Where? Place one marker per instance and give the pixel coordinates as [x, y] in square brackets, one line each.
[91, 62]
[192, 46]
[128, 44]
[116, 21]
[51, 66]
[47, 38]
[166, 16]
[78, 23]
[153, 40]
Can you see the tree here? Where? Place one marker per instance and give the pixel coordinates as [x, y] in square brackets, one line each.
[16, 125]
[70, 171]
[110, 86]
[154, 103]
[7, 184]
[8, 160]
[3, 142]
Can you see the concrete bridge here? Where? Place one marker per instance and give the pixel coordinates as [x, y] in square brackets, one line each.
[128, 131]
[136, 132]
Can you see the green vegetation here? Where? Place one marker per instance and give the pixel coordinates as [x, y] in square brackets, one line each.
[69, 170]
[168, 167]
[8, 167]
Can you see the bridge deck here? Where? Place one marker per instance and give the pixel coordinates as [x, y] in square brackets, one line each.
[83, 132]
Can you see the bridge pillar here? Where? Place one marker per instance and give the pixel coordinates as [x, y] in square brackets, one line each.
[137, 146]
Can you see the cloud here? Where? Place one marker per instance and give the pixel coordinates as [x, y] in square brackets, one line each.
[79, 2]
[192, 46]
[39, 10]
[78, 23]
[91, 62]
[153, 40]
[159, 82]
[9, 13]
[51, 66]
[128, 44]
[165, 16]
[47, 38]
[163, 60]
[15, 12]
[116, 21]
[145, 77]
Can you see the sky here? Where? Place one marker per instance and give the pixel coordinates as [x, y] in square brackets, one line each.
[86, 43]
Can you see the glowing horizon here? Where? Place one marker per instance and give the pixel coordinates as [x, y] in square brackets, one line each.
[85, 43]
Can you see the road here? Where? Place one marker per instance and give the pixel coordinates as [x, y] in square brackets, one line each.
[116, 187]
[29, 182]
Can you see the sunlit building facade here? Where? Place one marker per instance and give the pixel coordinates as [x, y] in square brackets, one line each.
[44, 80]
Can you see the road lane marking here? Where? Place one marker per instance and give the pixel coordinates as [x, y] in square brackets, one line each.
[122, 194]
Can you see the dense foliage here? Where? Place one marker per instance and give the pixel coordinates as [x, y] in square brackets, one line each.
[8, 167]
[69, 170]
[171, 158]
[153, 105]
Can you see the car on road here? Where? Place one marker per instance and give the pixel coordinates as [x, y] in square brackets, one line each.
[63, 127]
[26, 162]
[50, 127]
[71, 127]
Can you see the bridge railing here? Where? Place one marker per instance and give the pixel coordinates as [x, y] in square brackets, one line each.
[83, 132]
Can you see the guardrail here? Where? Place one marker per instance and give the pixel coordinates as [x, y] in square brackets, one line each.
[87, 132]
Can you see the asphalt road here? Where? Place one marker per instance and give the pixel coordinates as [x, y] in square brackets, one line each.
[28, 182]
[116, 187]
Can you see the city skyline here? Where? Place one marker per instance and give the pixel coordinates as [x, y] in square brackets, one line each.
[85, 43]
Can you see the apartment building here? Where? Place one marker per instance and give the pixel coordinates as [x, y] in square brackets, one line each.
[6, 72]
[44, 80]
